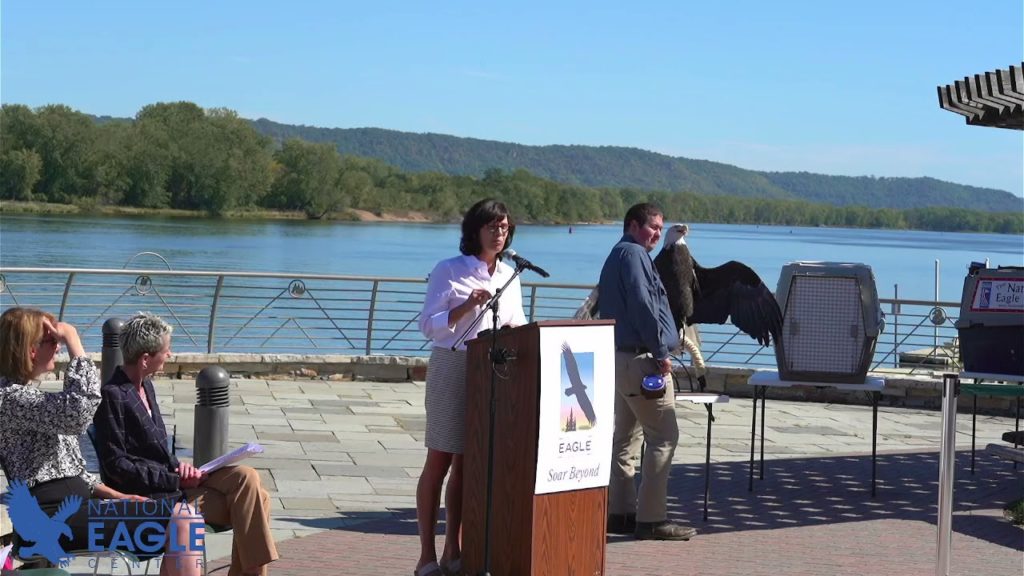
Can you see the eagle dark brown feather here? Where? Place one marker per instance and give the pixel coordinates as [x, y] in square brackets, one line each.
[699, 295]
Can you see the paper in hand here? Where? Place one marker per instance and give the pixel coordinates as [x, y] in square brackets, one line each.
[233, 457]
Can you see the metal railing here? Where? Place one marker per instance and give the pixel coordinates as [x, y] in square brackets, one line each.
[252, 312]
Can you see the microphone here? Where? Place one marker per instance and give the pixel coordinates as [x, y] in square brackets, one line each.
[523, 263]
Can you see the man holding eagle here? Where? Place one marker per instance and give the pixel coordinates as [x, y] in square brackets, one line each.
[652, 301]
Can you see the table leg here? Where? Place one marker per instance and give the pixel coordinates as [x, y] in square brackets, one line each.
[707, 463]
[974, 429]
[947, 456]
[874, 440]
[1016, 426]
[764, 400]
[753, 430]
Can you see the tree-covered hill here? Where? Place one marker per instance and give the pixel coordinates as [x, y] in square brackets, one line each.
[893, 192]
[619, 167]
[179, 156]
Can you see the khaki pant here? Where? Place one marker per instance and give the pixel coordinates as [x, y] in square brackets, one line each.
[657, 420]
[233, 496]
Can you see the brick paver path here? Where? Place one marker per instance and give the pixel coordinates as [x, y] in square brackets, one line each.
[810, 516]
[342, 461]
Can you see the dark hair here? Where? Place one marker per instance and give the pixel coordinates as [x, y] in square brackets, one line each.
[641, 214]
[479, 215]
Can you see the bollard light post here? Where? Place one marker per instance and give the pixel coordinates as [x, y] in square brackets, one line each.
[213, 400]
[111, 356]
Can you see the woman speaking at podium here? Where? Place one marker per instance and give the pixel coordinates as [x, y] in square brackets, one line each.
[457, 291]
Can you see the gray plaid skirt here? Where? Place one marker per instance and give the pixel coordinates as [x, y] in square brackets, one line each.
[445, 400]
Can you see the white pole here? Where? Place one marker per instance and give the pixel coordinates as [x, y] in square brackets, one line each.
[935, 327]
[947, 462]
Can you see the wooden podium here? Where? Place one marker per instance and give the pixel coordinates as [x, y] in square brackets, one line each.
[561, 533]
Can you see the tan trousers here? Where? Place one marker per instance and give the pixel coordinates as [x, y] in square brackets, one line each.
[233, 496]
[657, 420]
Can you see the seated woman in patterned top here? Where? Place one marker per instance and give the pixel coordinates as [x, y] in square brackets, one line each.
[39, 434]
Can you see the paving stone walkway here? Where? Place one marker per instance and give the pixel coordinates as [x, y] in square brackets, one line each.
[342, 460]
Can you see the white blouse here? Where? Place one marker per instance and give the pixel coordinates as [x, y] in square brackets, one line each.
[451, 283]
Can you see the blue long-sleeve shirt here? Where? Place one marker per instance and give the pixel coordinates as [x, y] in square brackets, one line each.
[631, 293]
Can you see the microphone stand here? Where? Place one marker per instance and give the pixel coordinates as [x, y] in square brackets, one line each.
[498, 357]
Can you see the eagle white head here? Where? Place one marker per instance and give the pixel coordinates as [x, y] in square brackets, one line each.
[675, 234]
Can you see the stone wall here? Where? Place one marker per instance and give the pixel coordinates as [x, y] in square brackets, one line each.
[919, 390]
[297, 366]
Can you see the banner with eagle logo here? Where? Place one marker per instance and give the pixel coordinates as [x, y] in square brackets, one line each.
[577, 398]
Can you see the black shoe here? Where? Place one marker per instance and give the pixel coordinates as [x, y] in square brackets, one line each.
[621, 523]
[663, 531]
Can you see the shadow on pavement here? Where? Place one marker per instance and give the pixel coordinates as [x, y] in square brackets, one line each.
[820, 491]
[806, 492]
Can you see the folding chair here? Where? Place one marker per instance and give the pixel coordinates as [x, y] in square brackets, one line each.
[171, 446]
[39, 566]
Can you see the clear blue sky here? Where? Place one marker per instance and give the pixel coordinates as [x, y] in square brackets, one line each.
[822, 86]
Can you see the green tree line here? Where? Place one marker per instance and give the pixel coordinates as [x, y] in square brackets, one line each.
[178, 155]
[621, 167]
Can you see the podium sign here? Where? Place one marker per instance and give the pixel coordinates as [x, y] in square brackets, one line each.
[542, 523]
[577, 400]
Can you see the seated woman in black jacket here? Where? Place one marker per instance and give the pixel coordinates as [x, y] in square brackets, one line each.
[131, 442]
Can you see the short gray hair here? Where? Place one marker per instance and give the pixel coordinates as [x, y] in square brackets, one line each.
[143, 334]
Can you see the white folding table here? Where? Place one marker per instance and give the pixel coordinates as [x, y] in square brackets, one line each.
[762, 380]
[708, 399]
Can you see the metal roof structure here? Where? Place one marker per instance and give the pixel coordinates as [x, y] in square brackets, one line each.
[990, 99]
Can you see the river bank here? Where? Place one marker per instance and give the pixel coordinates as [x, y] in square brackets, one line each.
[347, 216]
[52, 209]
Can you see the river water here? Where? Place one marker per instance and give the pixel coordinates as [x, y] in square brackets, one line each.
[409, 250]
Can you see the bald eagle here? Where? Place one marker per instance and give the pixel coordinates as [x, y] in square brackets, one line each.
[699, 295]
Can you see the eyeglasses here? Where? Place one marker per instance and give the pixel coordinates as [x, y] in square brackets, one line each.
[498, 228]
[49, 341]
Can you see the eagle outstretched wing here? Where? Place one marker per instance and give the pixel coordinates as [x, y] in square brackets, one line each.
[733, 290]
[699, 295]
[576, 385]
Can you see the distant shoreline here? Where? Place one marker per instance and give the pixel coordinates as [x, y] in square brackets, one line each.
[51, 209]
[349, 215]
